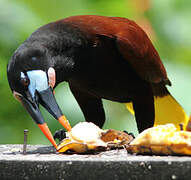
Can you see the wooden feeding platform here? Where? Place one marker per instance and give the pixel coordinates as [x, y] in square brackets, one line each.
[42, 162]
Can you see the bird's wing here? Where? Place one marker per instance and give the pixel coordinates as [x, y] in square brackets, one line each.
[136, 48]
[130, 40]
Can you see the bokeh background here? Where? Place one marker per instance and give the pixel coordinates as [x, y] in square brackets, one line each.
[167, 22]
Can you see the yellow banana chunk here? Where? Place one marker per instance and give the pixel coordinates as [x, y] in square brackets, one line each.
[85, 137]
[75, 146]
[162, 139]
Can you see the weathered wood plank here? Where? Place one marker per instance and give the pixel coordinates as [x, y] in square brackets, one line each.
[41, 162]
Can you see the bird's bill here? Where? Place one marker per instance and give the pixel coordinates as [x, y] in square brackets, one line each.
[35, 113]
[47, 99]
[44, 128]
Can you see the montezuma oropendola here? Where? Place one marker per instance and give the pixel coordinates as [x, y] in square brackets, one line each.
[101, 58]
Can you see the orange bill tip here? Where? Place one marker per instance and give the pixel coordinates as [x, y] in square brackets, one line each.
[44, 128]
[65, 123]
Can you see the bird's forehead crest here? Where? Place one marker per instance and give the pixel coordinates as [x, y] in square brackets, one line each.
[38, 81]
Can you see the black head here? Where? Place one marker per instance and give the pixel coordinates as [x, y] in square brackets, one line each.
[32, 77]
[26, 58]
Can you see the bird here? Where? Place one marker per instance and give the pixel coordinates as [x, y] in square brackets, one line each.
[100, 57]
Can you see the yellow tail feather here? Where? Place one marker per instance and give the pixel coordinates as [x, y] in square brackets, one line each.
[167, 110]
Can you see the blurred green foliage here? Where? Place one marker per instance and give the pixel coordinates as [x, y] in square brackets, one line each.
[170, 27]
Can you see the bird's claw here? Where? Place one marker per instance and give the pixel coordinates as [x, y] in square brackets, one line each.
[60, 134]
[131, 134]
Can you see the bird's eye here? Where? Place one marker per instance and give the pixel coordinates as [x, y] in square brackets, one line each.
[34, 58]
[25, 81]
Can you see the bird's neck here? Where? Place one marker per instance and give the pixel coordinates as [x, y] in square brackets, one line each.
[64, 67]
[64, 47]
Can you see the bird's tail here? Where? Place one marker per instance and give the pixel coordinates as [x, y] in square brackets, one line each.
[167, 110]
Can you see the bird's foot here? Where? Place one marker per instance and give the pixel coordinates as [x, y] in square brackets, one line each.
[131, 134]
[60, 134]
